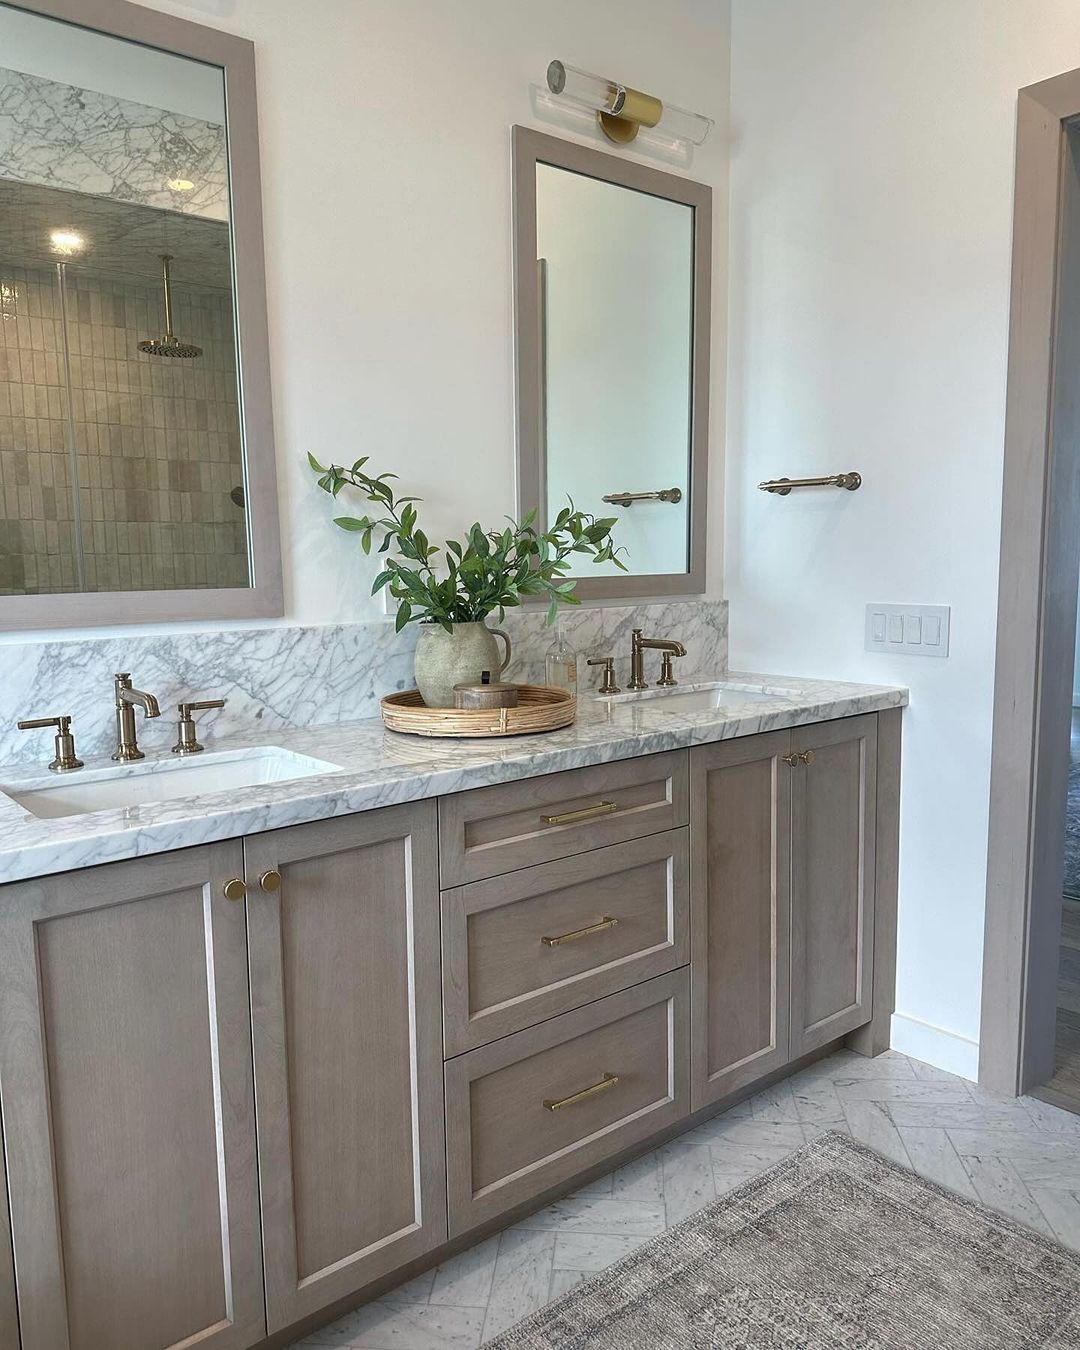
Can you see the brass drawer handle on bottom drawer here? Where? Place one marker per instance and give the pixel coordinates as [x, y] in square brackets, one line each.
[605, 922]
[586, 813]
[609, 1080]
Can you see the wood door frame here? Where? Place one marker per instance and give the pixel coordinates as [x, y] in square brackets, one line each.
[1037, 596]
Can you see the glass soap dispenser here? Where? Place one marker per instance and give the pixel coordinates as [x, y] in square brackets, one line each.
[561, 663]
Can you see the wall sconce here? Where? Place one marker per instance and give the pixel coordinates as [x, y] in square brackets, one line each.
[622, 112]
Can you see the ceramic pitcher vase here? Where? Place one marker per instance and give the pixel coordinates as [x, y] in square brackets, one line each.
[444, 659]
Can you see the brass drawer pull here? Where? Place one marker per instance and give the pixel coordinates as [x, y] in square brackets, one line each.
[235, 888]
[605, 922]
[586, 813]
[608, 1081]
[804, 757]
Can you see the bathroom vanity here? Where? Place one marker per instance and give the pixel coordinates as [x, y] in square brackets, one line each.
[329, 1028]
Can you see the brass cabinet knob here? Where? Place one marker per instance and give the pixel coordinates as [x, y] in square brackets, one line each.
[270, 881]
[790, 760]
[235, 889]
[807, 757]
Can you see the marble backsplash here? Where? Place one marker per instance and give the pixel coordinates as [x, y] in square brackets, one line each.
[273, 678]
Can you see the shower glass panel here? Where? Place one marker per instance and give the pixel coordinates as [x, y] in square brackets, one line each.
[121, 445]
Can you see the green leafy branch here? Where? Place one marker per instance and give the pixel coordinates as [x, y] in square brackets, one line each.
[464, 582]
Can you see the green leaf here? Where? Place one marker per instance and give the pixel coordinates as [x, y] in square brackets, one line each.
[351, 523]
[404, 614]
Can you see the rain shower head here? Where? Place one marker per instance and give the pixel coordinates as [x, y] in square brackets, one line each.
[169, 344]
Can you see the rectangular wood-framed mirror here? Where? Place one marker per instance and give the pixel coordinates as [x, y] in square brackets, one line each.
[612, 305]
[137, 467]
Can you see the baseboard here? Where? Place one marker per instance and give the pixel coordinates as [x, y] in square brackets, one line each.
[934, 1045]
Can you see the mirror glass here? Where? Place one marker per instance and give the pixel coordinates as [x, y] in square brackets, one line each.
[616, 279]
[121, 445]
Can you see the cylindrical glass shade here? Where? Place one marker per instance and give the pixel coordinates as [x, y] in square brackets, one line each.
[607, 96]
[683, 125]
[592, 90]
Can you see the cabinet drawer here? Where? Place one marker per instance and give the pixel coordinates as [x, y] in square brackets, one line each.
[526, 1113]
[492, 830]
[537, 942]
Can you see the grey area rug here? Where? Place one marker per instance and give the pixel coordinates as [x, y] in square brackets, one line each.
[833, 1249]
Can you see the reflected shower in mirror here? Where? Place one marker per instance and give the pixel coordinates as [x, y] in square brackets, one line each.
[612, 291]
[121, 435]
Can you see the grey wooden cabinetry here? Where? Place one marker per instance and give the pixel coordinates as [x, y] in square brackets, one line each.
[528, 945]
[741, 912]
[9, 1316]
[499, 829]
[833, 841]
[783, 897]
[529, 1111]
[128, 1110]
[348, 1052]
[221, 1117]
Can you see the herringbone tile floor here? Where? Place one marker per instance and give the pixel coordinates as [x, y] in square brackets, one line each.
[1020, 1157]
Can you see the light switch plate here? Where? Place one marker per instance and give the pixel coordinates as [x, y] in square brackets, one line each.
[908, 630]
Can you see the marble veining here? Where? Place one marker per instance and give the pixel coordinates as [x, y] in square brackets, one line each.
[60, 136]
[379, 768]
[277, 678]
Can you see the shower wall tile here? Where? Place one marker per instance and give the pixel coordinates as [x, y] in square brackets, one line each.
[157, 439]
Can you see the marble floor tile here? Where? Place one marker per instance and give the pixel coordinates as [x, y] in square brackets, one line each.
[933, 1156]
[871, 1124]
[1019, 1157]
[591, 1251]
[465, 1281]
[687, 1172]
[522, 1278]
[999, 1187]
[403, 1326]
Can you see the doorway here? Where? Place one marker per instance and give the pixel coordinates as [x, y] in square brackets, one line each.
[1037, 606]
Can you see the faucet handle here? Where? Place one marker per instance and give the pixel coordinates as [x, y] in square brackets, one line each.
[608, 662]
[64, 744]
[186, 742]
[667, 678]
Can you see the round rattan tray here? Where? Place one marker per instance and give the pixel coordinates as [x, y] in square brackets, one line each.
[539, 708]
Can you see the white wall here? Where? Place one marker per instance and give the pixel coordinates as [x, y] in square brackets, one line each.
[385, 132]
[871, 200]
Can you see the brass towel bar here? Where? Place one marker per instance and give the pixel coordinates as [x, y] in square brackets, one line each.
[782, 486]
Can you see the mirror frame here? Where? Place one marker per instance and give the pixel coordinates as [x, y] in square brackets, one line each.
[263, 598]
[529, 149]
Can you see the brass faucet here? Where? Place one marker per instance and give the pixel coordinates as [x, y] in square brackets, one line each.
[638, 645]
[127, 700]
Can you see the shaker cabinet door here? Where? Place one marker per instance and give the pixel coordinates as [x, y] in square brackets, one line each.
[9, 1317]
[740, 794]
[833, 813]
[343, 922]
[128, 1115]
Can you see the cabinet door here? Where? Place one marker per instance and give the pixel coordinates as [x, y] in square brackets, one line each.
[345, 988]
[126, 1088]
[740, 912]
[832, 870]
[9, 1319]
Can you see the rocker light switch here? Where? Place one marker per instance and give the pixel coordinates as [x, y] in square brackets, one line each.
[913, 630]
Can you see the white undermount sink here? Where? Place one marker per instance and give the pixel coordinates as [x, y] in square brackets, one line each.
[127, 785]
[715, 694]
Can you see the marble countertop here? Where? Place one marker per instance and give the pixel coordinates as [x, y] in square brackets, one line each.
[380, 767]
